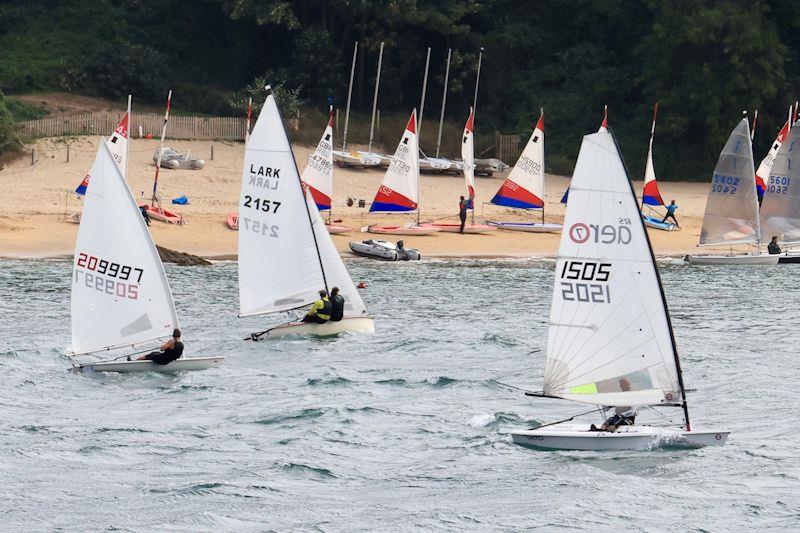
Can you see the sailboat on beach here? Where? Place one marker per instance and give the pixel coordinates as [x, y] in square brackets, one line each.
[524, 187]
[285, 252]
[610, 340]
[120, 294]
[731, 217]
[651, 196]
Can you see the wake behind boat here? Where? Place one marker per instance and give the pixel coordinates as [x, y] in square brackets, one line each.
[286, 254]
[120, 294]
[610, 339]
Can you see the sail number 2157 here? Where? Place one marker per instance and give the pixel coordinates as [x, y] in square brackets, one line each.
[260, 204]
[588, 282]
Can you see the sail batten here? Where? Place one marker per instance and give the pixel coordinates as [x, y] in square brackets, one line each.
[609, 339]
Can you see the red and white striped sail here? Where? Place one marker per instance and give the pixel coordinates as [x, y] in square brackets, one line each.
[318, 175]
[468, 157]
[524, 187]
[650, 193]
[399, 191]
[118, 146]
[762, 173]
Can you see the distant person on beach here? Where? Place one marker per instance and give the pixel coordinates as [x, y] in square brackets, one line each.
[320, 311]
[671, 208]
[463, 205]
[623, 415]
[773, 247]
[170, 350]
[402, 254]
[145, 215]
[337, 305]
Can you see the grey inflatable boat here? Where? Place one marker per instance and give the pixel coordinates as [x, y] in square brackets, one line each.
[385, 250]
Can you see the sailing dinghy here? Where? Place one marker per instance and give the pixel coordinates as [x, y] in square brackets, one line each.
[610, 339]
[120, 294]
[731, 217]
[318, 176]
[399, 190]
[765, 167]
[286, 255]
[651, 197]
[524, 187]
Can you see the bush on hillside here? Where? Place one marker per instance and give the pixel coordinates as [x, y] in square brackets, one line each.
[9, 137]
[201, 99]
[288, 99]
[124, 68]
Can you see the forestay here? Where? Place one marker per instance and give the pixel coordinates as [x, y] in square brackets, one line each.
[399, 191]
[279, 267]
[120, 294]
[608, 318]
[780, 209]
[318, 175]
[524, 187]
[731, 215]
[468, 157]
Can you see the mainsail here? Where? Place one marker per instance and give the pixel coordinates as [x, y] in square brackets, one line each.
[763, 171]
[285, 253]
[524, 186]
[603, 128]
[731, 215]
[118, 145]
[650, 194]
[399, 191]
[318, 175]
[609, 339]
[780, 209]
[120, 294]
[468, 157]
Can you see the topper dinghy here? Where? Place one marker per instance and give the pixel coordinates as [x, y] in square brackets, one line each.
[120, 294]
[651, 197]
[731, 216]
[610, 339]
[286, 254]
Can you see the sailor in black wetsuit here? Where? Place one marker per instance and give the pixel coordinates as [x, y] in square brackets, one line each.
[171, 350]
[337, 305]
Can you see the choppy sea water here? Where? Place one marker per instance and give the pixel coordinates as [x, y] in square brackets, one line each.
[406, 429]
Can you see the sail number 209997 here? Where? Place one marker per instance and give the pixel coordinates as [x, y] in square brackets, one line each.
[591, 282]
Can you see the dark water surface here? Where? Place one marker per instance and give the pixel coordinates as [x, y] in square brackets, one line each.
[405, 429]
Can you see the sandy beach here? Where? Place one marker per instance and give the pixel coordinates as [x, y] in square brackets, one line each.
[36, 198]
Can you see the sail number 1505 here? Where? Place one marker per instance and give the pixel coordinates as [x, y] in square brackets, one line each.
[590, 282]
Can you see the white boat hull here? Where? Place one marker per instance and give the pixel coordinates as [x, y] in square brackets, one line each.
[743, 259]
[578, 437]
[400, 230]
[528, 227]
[124, 367]
[355, 324]
[655, 223]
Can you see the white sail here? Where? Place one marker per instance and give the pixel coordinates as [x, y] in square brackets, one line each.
[608, 318]
[318, 175]
[399, 190]
[120, 294]
[780, 209]
[524, 186]
[279, 268]
[336, 274]
[731, 215]
[764, 169]
[468, 157]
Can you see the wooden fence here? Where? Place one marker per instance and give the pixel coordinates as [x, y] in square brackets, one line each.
[179, 127]
[508, 147]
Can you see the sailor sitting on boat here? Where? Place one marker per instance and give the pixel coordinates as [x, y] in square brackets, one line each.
[170, 350]
[623, 415]
[337, 305]
[320, 311]
[773, 247]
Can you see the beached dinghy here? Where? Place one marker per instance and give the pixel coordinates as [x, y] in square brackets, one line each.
[731, 217]
[524, 187]
[384, 251]
[407, 229]
[475, 229]
[120, 294]
[610, 340]
[651, 196]
[285, 252]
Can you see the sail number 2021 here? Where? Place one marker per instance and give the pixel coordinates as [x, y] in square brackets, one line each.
[590, 282]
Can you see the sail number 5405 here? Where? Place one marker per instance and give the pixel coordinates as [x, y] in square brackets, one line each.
[586, 271]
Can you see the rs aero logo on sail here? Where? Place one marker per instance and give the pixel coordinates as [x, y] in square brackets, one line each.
[581, 233]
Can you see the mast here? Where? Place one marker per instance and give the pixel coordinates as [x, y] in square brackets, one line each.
[650, 148]
[541, 115]
[128, 143]
[444, 101]
[330, 121]
[755, 184]
[375, 98]
[422, 100]
[477, 81]
[154, 200]
[349, 94]
[302, 192]
[684, 405]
